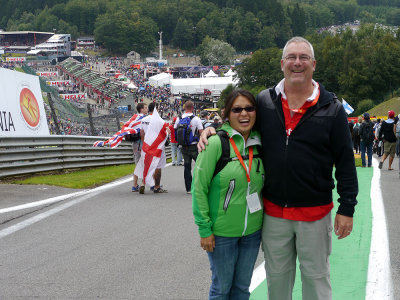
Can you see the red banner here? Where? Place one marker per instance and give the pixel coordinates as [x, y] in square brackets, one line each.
[79, 96]
[47, 74]
[15, 59]
[59, 82]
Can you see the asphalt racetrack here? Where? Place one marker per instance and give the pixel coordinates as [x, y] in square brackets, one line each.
[110, 243]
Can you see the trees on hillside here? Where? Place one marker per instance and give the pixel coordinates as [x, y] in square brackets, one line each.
[215, 52]
[247, 26]
[121, 32]
[364, 65]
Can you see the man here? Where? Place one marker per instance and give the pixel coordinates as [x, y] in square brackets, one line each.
[378, 142]
[305, 133]
[162, 162]
[397, 132]
[356, 135]
[205, 119]
[387, 131]
[141, 108]
[176, 151]
[366, 140]
[190, 151]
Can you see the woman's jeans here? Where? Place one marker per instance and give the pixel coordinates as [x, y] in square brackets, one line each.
[232, 264]
[176, 154]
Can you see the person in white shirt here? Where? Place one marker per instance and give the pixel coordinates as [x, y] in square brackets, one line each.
[190, 151]
[162, 162]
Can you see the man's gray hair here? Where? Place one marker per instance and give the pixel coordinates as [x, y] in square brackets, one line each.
[298, 39]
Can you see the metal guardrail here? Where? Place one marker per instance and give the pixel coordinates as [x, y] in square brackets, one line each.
[26, 155]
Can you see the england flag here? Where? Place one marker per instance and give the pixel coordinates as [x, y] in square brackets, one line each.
[347, 107]
[153, 146]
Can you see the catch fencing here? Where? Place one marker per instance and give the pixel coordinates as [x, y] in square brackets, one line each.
[29, 155]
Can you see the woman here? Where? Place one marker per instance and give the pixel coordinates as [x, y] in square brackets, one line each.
[226, 205]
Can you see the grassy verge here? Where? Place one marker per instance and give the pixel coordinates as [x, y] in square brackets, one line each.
[89, 178]
[80, 179]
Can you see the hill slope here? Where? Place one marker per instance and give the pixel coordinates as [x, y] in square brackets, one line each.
[383, 108]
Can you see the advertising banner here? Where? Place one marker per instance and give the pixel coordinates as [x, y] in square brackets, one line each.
[15, 59]
[47, 74]
[21, 105]
[79, 96]
[59, 82]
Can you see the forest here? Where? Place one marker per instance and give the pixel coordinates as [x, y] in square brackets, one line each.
[363, 68]
[125, 25]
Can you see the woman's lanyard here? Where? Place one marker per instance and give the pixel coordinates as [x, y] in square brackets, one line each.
[253, 202]
[241, 159]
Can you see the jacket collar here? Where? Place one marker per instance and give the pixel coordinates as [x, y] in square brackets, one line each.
[280, 89]
[324, 96]
[253, 139]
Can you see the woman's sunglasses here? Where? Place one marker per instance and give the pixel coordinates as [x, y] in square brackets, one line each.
[238, 110]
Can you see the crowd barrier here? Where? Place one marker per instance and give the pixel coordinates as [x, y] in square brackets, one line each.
[27, 155]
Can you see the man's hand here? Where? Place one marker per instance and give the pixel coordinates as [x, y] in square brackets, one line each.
[343, 226]
[203, 141]
[208, 243]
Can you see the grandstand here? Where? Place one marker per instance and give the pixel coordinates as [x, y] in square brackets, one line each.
[69, 112]
[22, 41]
[93, 83]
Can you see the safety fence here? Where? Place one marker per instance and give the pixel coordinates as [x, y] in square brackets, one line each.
[27, 155]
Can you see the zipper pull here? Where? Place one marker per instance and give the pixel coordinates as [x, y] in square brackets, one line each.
[287, 140]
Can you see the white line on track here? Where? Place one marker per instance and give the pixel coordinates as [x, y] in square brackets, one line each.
[82, 196]
[41, 202]
[258, 277]
[379, 282]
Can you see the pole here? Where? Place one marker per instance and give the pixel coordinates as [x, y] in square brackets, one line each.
[53, 113]
[92, 130]
[160, 44]
[117, 119]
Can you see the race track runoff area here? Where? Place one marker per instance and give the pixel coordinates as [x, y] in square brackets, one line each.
[350, 256]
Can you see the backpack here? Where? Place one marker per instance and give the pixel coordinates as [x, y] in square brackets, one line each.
[183, 133]
[133, 137]
[356, 130]
[367, 135]
[226, 153]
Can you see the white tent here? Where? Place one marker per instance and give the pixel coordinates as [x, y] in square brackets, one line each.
[211, 74]
[160, 79]
[131, 86]
[230, 73]
[197, 85]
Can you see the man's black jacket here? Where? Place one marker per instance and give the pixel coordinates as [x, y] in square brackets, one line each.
[299, 167]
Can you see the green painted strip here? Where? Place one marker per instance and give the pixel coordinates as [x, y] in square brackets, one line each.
[349, 259]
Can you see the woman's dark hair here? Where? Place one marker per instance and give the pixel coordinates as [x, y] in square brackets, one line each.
[232, 97]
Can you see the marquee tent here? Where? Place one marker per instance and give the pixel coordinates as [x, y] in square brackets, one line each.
[197, 85]
[211, 74]
[131, 85]
[230, 73]
[160, 79]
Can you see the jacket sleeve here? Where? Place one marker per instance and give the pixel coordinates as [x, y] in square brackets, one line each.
[343, 158]
[202, 176]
